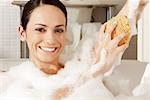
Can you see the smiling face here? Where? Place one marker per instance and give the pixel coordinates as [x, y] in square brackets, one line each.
[45, 34]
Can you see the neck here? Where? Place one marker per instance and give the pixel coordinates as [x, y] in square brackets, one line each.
[47, 67]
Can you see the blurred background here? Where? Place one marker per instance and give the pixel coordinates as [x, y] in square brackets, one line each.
[9, 20]
[11, 47]
[84, 17]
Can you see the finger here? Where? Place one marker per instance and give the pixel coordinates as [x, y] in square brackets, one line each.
[121, 49]
[114, 43]
[112, 28]
[98, 68]
[117, 39]
[102, 30]
[108, 37]
[130, 36]
[104, 42]
[103, 56]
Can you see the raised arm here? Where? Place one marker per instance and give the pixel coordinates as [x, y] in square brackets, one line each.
[119, 25]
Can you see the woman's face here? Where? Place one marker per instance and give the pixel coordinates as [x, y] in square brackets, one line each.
[45, 33]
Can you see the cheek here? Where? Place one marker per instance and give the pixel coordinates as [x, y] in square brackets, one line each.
[61, 39]
[33, 40]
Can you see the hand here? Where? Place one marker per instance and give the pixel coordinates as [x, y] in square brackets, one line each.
[108, 50]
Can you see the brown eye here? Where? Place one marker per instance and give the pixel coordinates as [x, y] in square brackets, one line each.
[40, 30]
[59, 30]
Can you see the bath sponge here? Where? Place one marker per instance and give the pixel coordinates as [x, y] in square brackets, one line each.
[123, 26]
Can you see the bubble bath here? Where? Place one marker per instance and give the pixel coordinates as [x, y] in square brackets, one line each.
[27, 82]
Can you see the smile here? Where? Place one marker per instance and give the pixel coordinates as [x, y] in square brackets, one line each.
[52, 49]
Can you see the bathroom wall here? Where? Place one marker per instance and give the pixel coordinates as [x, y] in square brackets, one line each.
[9, 19]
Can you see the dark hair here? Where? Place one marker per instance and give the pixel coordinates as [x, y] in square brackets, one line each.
[32, 4]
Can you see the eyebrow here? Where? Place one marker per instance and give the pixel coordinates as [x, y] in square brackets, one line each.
[47, 26]
[42, 25]
[59, 25]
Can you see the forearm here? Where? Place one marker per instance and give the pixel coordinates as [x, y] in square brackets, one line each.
[133, 8]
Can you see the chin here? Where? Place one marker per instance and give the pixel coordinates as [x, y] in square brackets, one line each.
[47, 59]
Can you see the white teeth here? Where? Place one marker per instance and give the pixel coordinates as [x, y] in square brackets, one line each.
[48, 49]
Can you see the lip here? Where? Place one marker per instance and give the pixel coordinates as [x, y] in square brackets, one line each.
[52, 49]
[48, 52]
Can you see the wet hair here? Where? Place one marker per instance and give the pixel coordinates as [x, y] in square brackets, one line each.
[33, 4]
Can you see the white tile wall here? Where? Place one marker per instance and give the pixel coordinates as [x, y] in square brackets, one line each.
[9, 19]
[144, 36]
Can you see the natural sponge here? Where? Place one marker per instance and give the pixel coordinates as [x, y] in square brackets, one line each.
[123, 26]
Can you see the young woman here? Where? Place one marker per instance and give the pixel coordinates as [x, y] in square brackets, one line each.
[43, 27]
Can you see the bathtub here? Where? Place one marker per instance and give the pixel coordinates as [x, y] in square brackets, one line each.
[131, 70]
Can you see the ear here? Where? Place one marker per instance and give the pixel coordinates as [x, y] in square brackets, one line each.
[22, 33]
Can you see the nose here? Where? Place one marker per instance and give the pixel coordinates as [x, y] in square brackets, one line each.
[49, 37]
